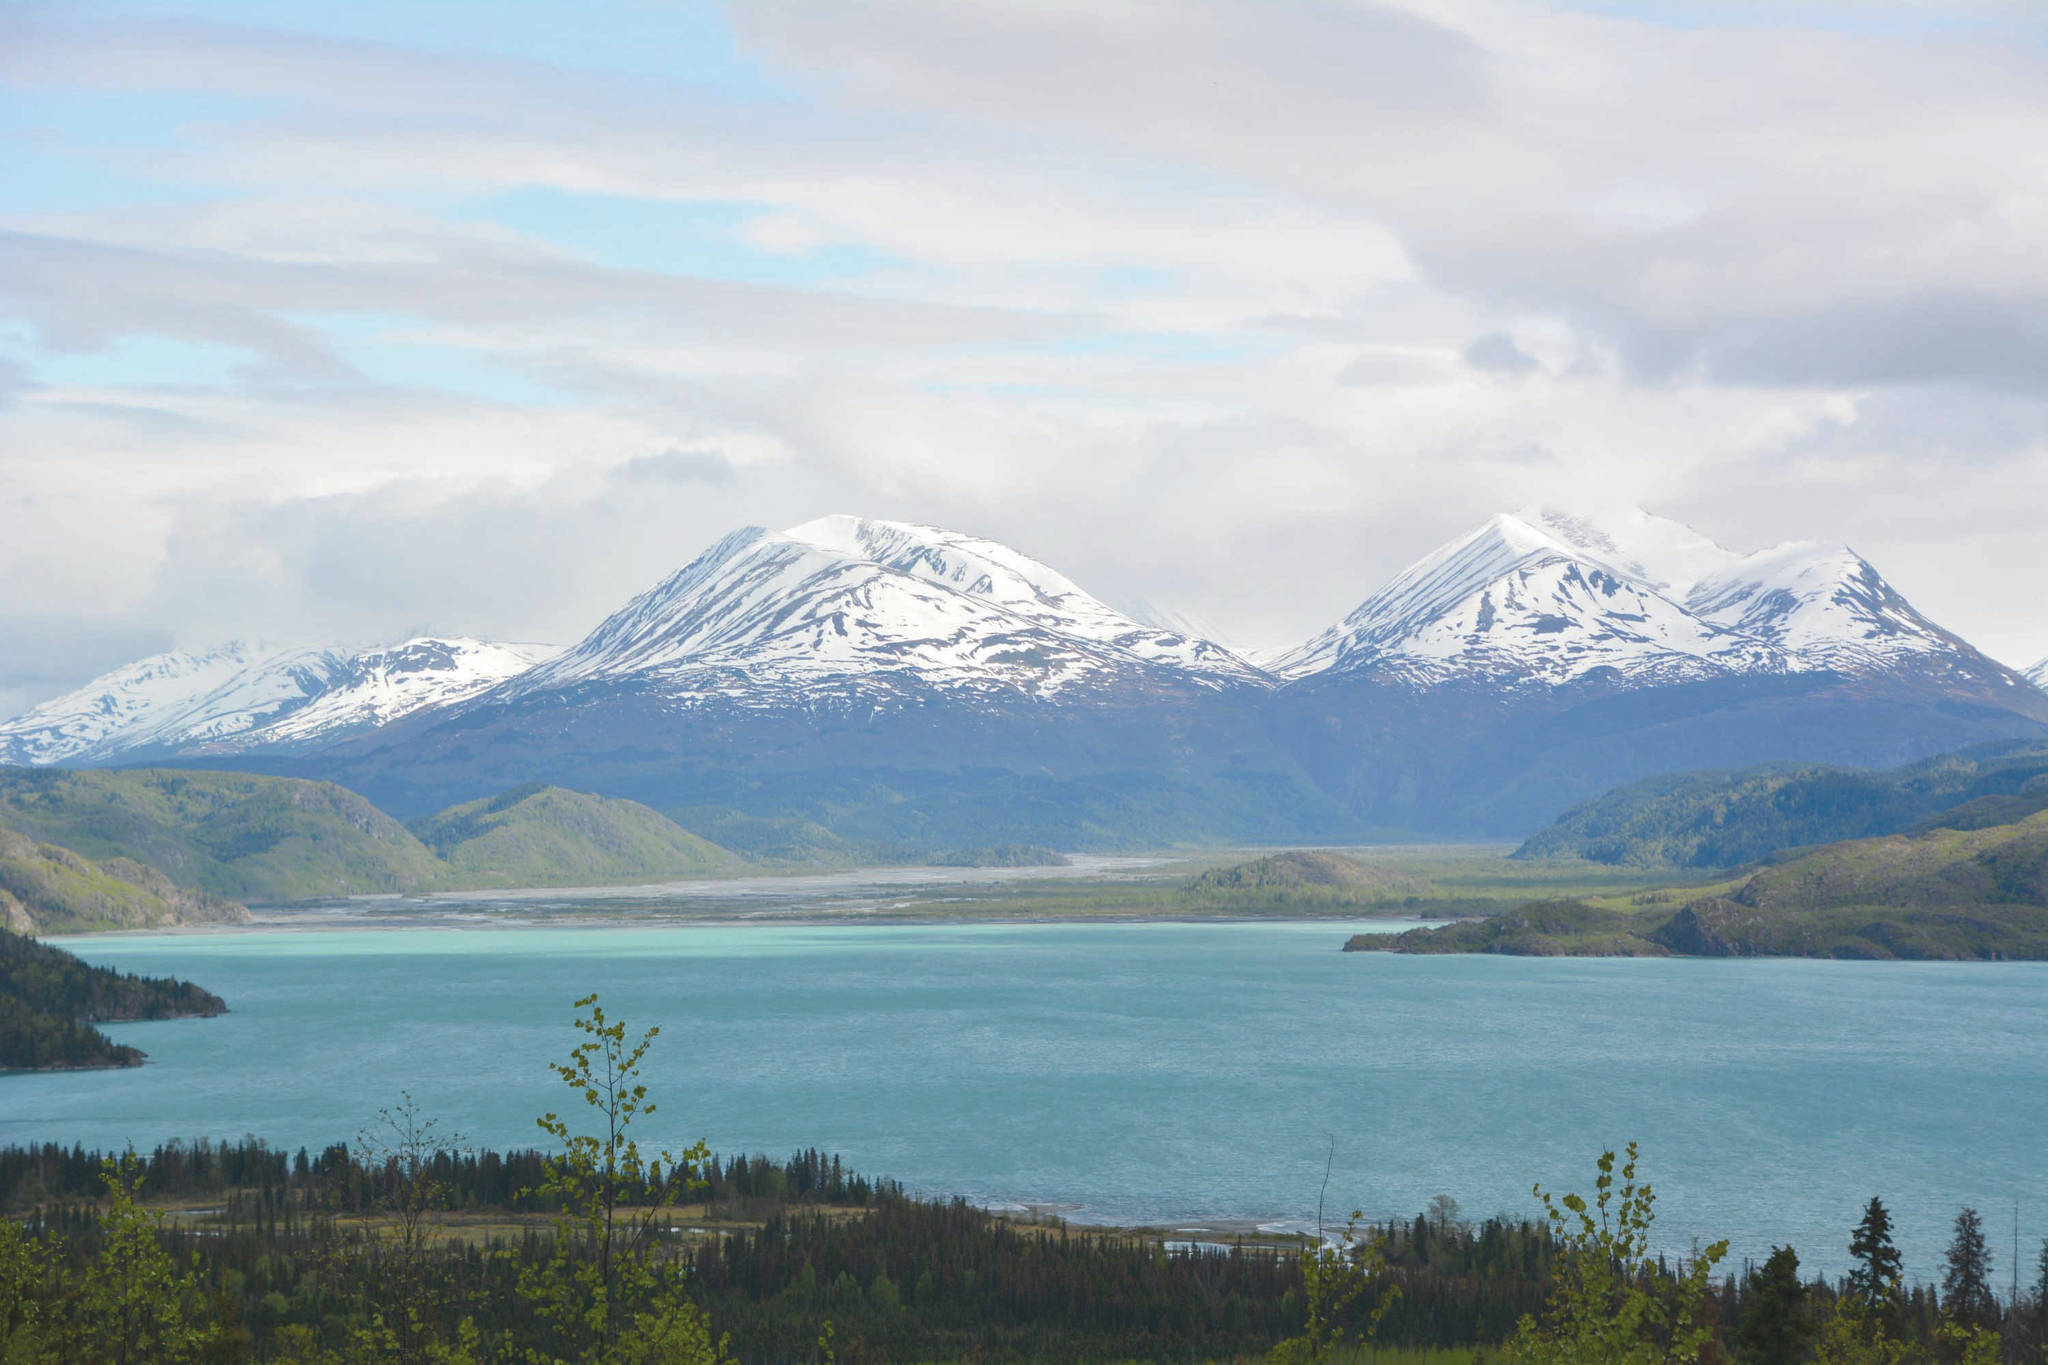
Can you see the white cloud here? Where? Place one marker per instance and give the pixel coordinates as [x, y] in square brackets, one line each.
[1231, 308]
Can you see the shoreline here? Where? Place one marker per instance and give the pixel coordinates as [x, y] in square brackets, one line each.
[792, 919]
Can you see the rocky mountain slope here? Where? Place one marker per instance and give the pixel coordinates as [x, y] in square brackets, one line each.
[1943, 893]
[167, 702]
[1514, 606]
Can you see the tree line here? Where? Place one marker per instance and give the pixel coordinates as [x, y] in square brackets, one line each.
[341, 1180]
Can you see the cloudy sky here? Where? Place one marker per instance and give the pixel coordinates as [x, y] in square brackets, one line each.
[343, 322]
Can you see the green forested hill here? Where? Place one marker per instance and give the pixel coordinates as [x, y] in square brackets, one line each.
[106, 848]
[1559, 928]
[547, 836]
[228, 834]
[45, 889]
[49, 1002]
[1995, 865]
[769, 839]
[1942, 893]
[1305, 878]
[1723, 819]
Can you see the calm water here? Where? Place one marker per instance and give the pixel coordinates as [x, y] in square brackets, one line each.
[1145, 1072]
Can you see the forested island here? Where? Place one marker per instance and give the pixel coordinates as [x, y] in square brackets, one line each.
[50, 1002]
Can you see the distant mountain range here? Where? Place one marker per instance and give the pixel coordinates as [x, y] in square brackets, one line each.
[1545, 599]
[243, 697]
[915, 686]
[1548, 657]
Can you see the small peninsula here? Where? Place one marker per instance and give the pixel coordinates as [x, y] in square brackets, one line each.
[50, 1003]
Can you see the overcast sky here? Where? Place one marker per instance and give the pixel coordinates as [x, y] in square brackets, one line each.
[343, 322]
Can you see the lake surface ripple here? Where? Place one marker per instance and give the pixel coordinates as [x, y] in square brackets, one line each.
[1143, 1072]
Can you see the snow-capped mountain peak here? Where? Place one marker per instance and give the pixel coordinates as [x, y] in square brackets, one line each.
[2037, 674]
[240, 695]
[845, 602]
[1428, 591]
[1823, 603]
[1019, 583]
[1819, 601]
[965, 563]
[1549, 596]
[379, 686]
[1664, 554]
[846, 608]
[1515, 603]
[169, 699]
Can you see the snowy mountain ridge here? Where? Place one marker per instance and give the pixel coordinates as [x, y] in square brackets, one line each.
[1516, 602]
[381, 685]
[1543, 597]
[851, 609]
[849, 604]
[244, 695]
[2037, 674]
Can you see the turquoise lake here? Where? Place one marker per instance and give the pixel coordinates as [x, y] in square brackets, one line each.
[1143, 1072]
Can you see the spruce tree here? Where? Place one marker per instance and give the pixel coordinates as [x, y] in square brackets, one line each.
[1879, 1269]
[2041, 1300]
[1777, 1328]
[1966, 1295]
